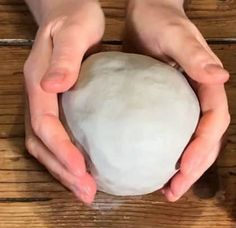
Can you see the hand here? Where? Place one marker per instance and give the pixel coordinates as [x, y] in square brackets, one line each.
[67, 29]
[162, 30]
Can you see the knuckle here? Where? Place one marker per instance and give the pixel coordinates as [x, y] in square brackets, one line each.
[30, 143]
[200, 56]
[27, 68]
[39, 122]
[57, 25]
[179, 25]
[36, 124]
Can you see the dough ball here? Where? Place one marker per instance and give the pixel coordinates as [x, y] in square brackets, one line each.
[133, 116]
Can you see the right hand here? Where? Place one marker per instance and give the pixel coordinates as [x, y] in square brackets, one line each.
[175, 39]
[63, 37]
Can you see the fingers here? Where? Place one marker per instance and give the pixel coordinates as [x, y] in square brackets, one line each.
[47, 126]
[69, 47]
[181, 182]
[74, 183]
[203, 150]
[44, 109]
[50, 130]
[193, 54]
[212, 125]
[53, 67]
[83, 187]
[40, 54]
[203, 66]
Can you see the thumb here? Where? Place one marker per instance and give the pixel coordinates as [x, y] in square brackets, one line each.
[69, 47]
[196, 58]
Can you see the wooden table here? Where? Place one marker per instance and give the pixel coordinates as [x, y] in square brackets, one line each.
[30, 197]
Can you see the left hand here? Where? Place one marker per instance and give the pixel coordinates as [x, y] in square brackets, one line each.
[67, 30]
[161, 29]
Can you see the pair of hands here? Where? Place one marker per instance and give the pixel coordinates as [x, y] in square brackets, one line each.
[157, 28]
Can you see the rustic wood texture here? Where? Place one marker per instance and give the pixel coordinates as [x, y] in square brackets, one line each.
[215, 18]
[30, 197]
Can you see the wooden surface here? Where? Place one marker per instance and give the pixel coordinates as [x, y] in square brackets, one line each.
[30, 197]
[214, 18]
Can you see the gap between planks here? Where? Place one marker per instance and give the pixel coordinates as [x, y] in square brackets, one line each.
[29, 42]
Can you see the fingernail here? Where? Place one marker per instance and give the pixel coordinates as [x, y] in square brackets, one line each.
[54, 76]
[85, 195]
[211, 68]
[86, 188]
[217, 71]
[86, 199]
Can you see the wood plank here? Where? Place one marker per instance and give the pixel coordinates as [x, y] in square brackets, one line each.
[30, 197]
[214, 18]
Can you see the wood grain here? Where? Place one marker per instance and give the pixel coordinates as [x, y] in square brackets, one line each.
[30, 197]
[214, 18]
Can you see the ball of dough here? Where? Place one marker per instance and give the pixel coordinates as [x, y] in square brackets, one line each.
[133, 116]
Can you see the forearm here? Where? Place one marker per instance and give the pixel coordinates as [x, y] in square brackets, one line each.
[41, 8]
[45, 10]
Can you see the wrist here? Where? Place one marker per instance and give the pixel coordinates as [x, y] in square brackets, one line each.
[172, 2]
[45, 11]
[178, 4]
[40, 9]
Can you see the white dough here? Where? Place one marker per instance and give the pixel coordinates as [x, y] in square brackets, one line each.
[134, 116]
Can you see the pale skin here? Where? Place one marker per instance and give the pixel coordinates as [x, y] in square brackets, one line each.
[67, 30]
